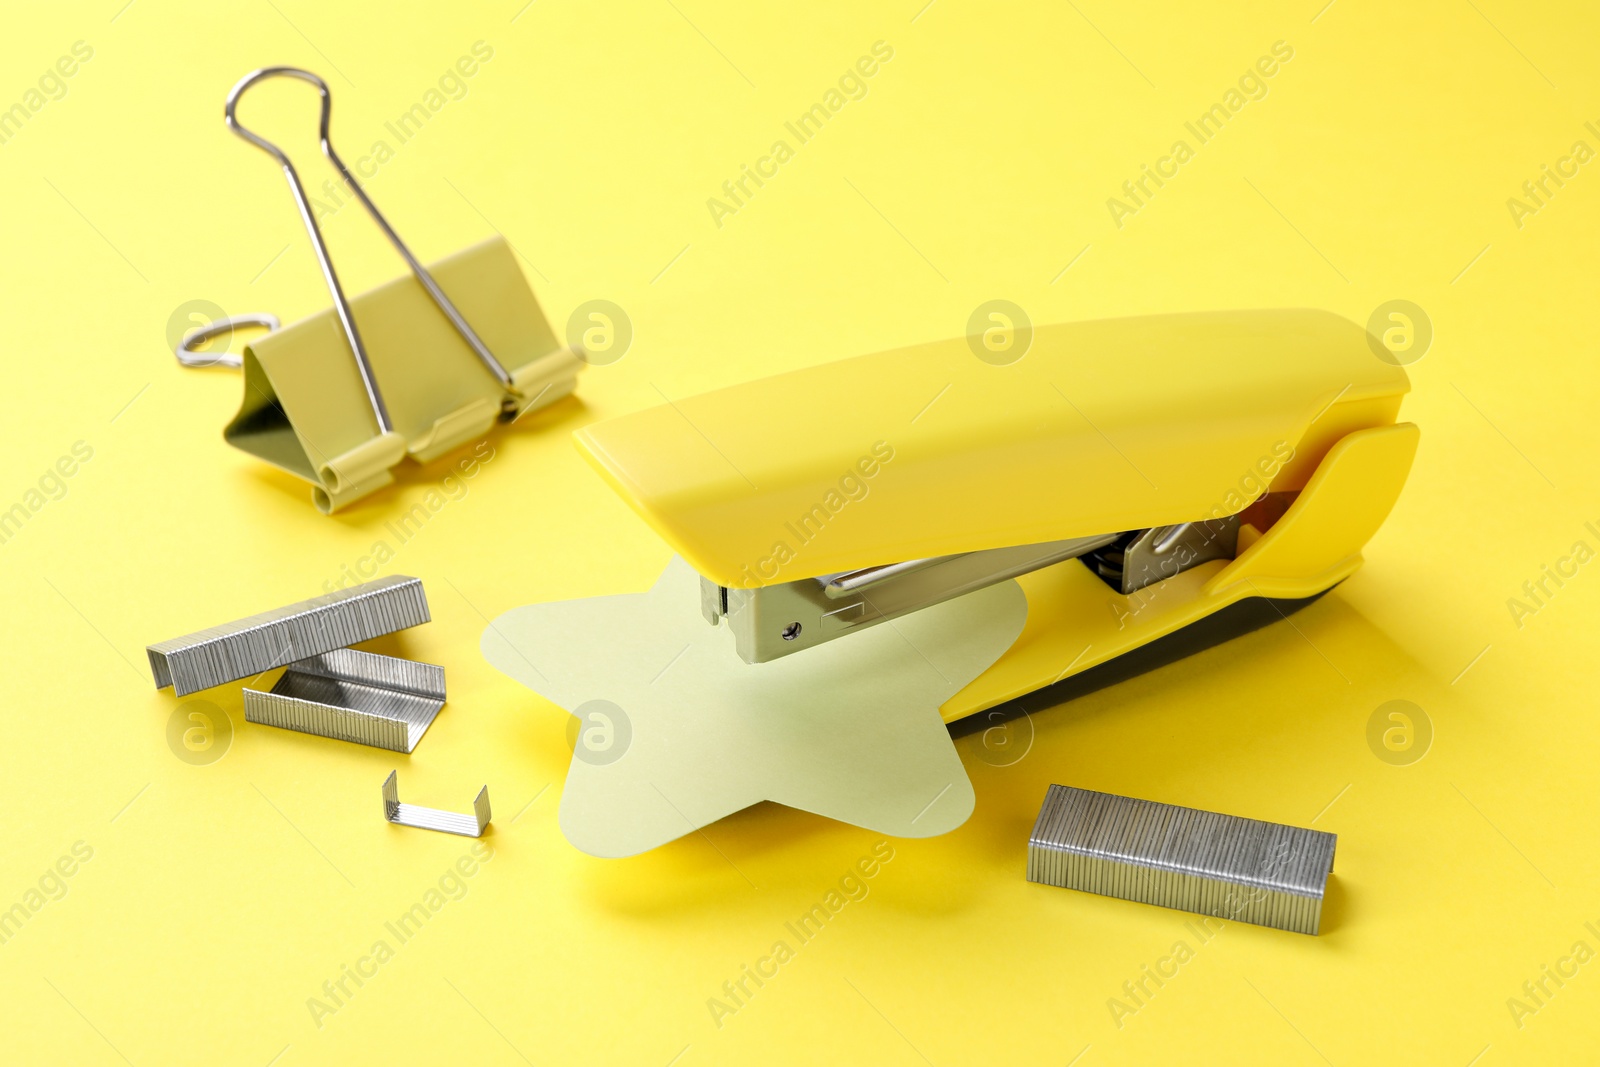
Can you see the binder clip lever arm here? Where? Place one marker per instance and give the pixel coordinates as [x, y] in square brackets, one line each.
[340, 303]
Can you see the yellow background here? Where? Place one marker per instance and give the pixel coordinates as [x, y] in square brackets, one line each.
[219, 898]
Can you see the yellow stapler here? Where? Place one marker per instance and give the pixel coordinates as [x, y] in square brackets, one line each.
[1135, 475]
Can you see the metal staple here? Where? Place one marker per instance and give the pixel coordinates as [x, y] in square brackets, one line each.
[1220, 865]
[249, 646]
[447, 822]
[356, 696]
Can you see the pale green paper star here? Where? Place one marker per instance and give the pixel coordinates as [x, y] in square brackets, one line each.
[690, 733]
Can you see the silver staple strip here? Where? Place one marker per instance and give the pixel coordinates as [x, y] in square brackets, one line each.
[1219, 865]
[271, 639]
[356, 696]
[447, 822]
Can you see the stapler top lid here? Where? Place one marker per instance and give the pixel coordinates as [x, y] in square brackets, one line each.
[927, 451]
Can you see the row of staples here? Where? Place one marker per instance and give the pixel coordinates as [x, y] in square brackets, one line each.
[1220, 865]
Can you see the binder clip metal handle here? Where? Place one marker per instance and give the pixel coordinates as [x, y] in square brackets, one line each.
[416, 374]
[342, 305]
[188, 350]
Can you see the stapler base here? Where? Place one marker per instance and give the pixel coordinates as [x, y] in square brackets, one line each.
[1236, 620]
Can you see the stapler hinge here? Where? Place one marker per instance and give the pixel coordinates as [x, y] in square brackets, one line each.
[1143, 557]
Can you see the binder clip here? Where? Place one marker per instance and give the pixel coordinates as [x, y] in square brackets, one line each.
[415, 367]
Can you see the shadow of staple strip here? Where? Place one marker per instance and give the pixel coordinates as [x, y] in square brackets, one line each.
[1220, 865]
[271, 639]
[355, 696]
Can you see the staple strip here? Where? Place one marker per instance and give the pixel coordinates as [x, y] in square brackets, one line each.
[375, 671]
[448, 822]
[323, 720]
[1219, 865]
[271, 639]
[354, 696]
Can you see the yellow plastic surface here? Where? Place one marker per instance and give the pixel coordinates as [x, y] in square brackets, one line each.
[220, 896]
[1099, 427]
[1076, 621]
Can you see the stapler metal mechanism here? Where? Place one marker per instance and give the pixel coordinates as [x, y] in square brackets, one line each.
[1136, 476]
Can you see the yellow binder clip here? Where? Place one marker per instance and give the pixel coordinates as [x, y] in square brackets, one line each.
[423, 379]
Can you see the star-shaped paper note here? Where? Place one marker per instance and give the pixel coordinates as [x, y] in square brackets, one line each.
[676, 731]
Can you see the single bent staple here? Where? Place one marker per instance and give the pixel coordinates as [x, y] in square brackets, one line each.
[446, 822]
[1220, 865]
